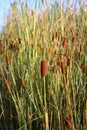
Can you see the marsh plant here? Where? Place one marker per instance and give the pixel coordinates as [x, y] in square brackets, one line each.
[43, 67]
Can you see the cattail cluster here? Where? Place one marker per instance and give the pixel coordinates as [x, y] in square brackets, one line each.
[23, 84]
[7, 84]
[43, 68]
[64, 43]
[7, 58]
[63, 68]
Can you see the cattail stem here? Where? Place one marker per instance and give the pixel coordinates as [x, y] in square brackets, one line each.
[45, 105]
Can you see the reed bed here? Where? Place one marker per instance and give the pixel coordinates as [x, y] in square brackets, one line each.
[43, 68]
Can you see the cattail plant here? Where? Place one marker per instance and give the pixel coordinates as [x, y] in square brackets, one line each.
[7, 58]
[64, 43]
[43, 68]
[63, 68]
[7, 84]
[23, 83]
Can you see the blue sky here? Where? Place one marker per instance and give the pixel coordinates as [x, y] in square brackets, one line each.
[5, 8]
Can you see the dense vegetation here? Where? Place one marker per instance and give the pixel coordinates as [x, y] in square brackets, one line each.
[43, 67]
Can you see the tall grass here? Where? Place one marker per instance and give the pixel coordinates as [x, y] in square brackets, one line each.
[43, 68]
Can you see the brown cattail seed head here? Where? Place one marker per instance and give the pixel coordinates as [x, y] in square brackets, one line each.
[12, 46]
[52, 37]
[43, 68]
[23, 84]
[68, 61]
[55, 52]
[83, 68]
[80, 47]
[63, 68]
[57, 35]
[7, 58]
[73, 39]
[64, 43]
[7, 85]
[1, 48]
[19, 39]
[79, 55]
[68, 122]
